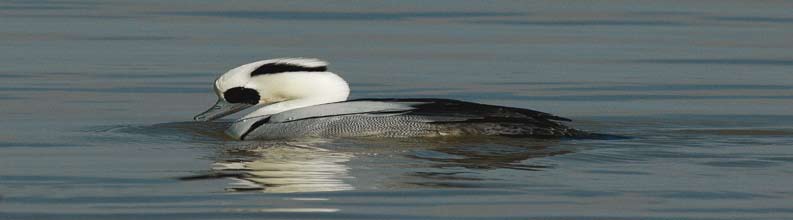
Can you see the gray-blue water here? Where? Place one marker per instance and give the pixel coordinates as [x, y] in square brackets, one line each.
[96, 99]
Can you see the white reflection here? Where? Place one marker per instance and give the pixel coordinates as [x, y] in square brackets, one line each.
[287, 168]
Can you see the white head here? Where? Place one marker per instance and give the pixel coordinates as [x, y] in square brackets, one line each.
[272, 81]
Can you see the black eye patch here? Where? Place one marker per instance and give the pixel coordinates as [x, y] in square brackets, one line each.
[273, 68]
[241, 95]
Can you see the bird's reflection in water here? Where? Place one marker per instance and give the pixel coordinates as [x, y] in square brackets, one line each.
[324, 165]
[313, 165]
[283, 167]
[470, 162]
[492, 153]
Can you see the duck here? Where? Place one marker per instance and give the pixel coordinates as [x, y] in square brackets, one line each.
[300, 97]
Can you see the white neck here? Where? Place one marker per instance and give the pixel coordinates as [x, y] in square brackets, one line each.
[297, 90]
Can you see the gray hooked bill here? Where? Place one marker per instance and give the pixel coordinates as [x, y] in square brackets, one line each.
[220, 109]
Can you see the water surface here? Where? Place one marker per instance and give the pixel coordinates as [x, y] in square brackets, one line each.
[96, 99]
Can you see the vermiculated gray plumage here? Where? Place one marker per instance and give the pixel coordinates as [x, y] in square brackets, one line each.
[409, 118]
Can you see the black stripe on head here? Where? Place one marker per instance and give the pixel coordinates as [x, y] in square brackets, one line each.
[242, 95]
[272, 68]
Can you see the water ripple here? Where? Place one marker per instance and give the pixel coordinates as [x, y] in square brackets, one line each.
[582, 23]
[725, 61]
[345, 16]
[754, 19]
[741, 163]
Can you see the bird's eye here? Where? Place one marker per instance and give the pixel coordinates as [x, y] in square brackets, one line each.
[241, 95]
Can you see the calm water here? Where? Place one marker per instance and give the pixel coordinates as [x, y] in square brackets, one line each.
[96, 98]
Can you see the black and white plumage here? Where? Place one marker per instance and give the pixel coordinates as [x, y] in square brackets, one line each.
[298, 97]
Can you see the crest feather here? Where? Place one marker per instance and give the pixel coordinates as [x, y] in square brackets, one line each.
[281, 65]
